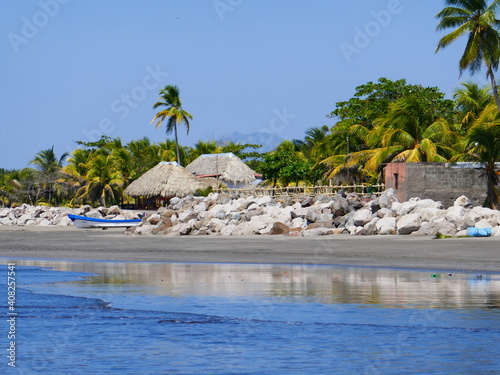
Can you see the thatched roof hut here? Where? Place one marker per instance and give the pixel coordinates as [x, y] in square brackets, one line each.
[228, 167]
[165, 180]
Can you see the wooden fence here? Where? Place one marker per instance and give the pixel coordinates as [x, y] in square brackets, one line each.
[306, 190]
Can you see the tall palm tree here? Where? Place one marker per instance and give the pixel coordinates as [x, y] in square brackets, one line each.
[482, 145]
[477, 20]
[49, 167]
[170, 98]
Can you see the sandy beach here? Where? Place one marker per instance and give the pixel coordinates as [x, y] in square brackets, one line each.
[416, 252]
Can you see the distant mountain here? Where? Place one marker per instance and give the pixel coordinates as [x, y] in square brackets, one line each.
[269, 141]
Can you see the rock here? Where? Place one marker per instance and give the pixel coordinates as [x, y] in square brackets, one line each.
[224, 198]
[298, 222]
[406, 207]
[320, 224]
[340, 205]
[262, 201]
[114, 210]
[326, 215]
[316, 232]
[431, 213]
[227, 230]
[309, 201]
[387, 198]
[433, 228]
[278, 228]
[455, 214]
[143, 230]
[187, 215]
[383, 212]
[96, 214]
[409, 223]
[166, 212]
[321, 199]
[495, 232]
[163, 226]
[312, 215]
[386, 225]
[174, 201]
[370, 228]
[153, 219]
[294, 232]
[65, 222]
[44, 223]
[362, 217]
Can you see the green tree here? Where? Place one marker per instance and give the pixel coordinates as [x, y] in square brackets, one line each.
[49, 167]
[372, 100]
[410, 132]
[477, 20]
[471, 99]
[104, 181]
[482, 145]
[173, 113]
[285, 164]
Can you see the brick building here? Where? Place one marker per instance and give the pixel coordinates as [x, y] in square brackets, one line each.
[437, 181]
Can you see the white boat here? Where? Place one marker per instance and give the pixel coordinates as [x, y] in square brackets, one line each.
[90, 222]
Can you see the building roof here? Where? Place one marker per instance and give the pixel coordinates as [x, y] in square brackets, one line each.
[165, 180]
[227, 166]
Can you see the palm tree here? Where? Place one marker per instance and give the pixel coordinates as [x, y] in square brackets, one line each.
[49, 167]
[410, 132]
[104, 181]
[476, 19]
[170, 98]
[470, 100]
[482, 145]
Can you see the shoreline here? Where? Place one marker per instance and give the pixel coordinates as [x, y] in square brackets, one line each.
[410, 252]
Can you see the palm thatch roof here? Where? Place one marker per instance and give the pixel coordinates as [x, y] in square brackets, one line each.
[165, 180]
[212, 181]
[228, 166]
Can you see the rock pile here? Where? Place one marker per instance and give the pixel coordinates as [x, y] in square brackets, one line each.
[221, 214]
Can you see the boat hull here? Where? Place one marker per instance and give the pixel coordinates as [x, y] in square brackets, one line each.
[90, 222]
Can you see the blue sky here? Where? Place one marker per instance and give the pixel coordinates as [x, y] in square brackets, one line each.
[72, 70]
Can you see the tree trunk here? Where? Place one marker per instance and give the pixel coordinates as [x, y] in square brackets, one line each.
[177, 145]
[492, 197]
[494, 86]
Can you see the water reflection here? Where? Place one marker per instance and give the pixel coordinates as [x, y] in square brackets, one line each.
[325, 284]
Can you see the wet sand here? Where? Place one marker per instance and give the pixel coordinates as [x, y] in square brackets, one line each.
[415, 252]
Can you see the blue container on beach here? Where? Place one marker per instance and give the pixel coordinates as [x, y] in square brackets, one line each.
[478, 232]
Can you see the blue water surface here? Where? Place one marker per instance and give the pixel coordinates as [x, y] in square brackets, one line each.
[233, 319]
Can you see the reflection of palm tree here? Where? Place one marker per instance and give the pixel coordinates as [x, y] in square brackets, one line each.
[482, 145]
[170, 98]
[476, 19]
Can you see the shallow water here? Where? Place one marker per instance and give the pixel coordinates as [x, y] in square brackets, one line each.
[178, 318]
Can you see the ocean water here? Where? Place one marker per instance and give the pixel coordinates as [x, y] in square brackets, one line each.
[186, 318]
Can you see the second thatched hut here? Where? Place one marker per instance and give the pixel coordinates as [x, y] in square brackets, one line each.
[164, 181]
[228, 168]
